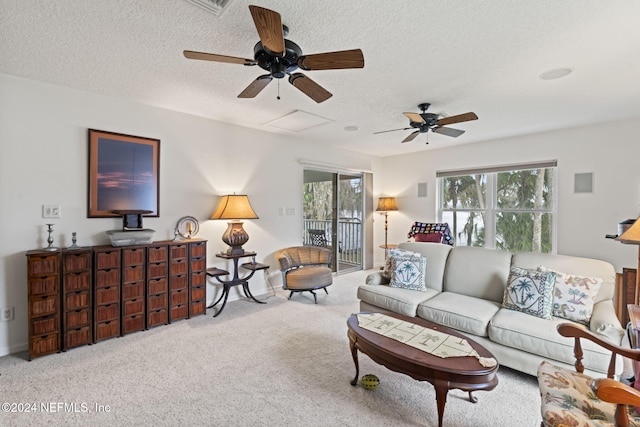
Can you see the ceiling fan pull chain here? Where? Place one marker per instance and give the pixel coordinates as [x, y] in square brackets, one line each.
[278, 96]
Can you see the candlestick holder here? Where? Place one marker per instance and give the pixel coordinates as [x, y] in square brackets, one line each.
[73, 241]
[50, 239]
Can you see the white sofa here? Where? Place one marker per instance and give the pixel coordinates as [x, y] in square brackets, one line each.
[465, 289]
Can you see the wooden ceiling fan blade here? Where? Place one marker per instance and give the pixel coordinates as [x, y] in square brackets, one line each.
[448, 131]
[390, 130]
[256, 86]
[218, 58]
[414, 117]
[269, 26]
[411, 136]
[310, 88]
[332, 60]
[466, 117]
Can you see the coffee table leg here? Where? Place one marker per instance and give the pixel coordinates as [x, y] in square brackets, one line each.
[354, 354]
[472, 398]
[442, 388]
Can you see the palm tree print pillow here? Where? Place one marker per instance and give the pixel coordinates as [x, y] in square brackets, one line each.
[408, 271]
[574, 296]
[530, 291]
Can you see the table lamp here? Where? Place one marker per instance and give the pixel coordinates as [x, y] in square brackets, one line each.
[234, 207]
[386, 204]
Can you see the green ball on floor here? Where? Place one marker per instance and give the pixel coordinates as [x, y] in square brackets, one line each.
[370, 381]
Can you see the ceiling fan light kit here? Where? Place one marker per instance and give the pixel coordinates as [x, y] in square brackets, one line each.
[281, 57]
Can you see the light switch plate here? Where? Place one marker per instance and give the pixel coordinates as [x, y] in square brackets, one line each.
[51, 211]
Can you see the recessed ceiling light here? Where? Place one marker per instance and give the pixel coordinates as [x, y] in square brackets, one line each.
[351, 128]
[556, 73]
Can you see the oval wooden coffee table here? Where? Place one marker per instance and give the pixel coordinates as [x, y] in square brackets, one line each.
[463, 373]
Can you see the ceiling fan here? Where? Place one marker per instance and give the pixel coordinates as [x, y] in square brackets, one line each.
[424, 122]
[282, 57]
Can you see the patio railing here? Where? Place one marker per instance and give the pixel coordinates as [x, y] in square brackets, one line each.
[349, 237]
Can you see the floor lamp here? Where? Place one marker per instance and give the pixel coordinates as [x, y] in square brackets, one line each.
[385, 205]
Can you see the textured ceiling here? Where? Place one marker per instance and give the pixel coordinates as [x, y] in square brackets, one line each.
[483, 56]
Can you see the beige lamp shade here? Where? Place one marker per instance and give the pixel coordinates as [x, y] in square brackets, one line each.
[386, 204]
[234, 207]
[632, 235]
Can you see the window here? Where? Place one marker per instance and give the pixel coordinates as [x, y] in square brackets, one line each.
[506, 207]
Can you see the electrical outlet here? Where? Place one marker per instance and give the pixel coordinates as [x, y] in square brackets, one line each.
[51, 211]
[6, 314]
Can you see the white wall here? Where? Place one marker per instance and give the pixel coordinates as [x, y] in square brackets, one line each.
[43, 160]
[610, 151]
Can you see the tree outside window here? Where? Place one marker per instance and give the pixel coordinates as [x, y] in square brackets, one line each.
[510, 209]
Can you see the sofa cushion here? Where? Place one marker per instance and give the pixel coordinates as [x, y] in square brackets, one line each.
[573, 296]
[396, 300]
[477, 272]
[407, 272]
[460, 312]
[436, 254]
[540, 336]
[530, 291]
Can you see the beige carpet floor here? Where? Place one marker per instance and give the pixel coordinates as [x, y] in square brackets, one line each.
[284, 363]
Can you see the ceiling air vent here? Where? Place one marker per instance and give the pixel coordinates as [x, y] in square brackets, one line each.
[213, 6]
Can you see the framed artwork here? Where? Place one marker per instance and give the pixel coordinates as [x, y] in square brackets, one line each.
[124, 174]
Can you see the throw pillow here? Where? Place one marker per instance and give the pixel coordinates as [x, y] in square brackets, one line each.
[408, 272]
[574, 296]
[429, 237]
[530, 291]
[395, 252]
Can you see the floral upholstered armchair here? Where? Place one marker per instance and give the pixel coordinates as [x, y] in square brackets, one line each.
[574, 399]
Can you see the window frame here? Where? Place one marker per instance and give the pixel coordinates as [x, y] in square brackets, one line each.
[491, 209]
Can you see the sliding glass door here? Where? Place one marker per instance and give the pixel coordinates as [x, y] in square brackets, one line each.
[333, 216]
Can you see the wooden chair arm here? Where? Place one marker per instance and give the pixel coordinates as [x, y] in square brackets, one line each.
[577, 331]
[613, 391]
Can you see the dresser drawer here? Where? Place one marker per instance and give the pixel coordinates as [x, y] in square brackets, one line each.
[45, 344]
[198, 250]
[179, 251]
[43, 265]
[133, 256]
[77, 281]
[45, 325]
[132, 290]
[133, 323]
[133, 273]
[198, 279]
[76, 261]
[198, 307]
[199, 265]
[157, 270]
[76, 300]
[178, 266]
[178, 282]
[108, 277]
[157, 253]
[109, 329]
[156, 318]
[179, 297]
[43, 306]
[107, 312]
[179, 312]
[107, 259]
[76, 337]
[43, 285]
[107, 295]
[156, 302]
[198, 293]
[134, 306]
[76, 319]
[157, 286]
